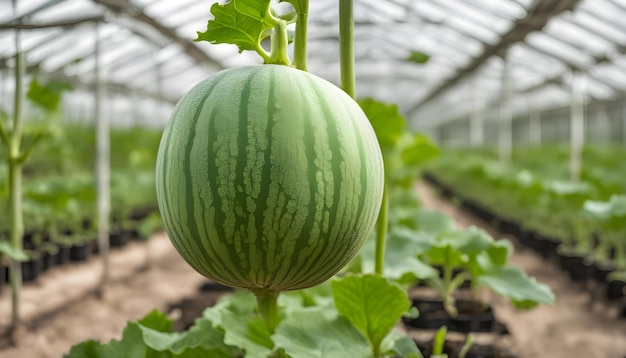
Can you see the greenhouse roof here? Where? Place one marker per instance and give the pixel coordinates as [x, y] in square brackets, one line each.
[147, 47]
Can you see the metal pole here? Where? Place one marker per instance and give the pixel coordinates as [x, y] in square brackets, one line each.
[577, 126]
[602, 123]
[102, 167]
[162, 120]
[476, 123]
[505, 135]
[624, 125]
[534, 130]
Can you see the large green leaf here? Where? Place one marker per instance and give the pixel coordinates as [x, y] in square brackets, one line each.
[201, 337]
[47, 95]
[386, 120]
[513, 283]
[401, 255]
[235, 314]
[239, 22]
[371, 303]
[308, 333]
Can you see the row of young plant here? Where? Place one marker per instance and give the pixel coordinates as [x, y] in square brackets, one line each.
[354, 314]
[582, 223]
[59, 199]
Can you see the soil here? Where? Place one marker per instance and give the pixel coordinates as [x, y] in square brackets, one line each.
[575, 326]
[60, 309]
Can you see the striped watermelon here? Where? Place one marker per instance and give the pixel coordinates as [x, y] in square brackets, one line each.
[268, 178]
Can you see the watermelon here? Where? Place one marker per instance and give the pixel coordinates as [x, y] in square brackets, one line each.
[268, 178]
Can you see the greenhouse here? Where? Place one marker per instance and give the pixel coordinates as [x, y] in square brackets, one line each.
[313, 179]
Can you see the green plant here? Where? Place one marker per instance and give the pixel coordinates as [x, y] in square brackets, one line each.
[610, 220]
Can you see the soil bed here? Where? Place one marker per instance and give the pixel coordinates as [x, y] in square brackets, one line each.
[60, 309]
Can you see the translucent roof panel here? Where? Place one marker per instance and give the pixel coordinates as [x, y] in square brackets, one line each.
[145, 43]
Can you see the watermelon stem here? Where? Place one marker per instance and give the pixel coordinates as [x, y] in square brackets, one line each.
[300, 48]
[346, 46]
[267, 306]
[280, 43]
[381, 232]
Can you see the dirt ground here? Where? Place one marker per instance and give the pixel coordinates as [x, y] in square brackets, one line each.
[133, 292]
[571, 328]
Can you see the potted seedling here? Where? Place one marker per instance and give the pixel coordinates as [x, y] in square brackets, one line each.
[610, 217]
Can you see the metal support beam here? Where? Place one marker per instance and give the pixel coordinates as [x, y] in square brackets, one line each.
[534, 126]
[127, 8]
[577, 125]
[476, 121]
[62, 24]
[103, 166]
[537, 18]
[505, 130]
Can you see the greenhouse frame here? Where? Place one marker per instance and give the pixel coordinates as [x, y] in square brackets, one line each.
[498, 176]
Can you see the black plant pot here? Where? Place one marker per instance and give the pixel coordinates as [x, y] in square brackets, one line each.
[601, 271]
[63, 256]
[49, 260]
[528, 239]
[431, 315]
[4, 276]
[80, 252]
[508, 226]
[548, 247]
[569, 261]
[31, 269]
[472, 317]
[119, 239]
[479, 211]
[583, 272]
[616, 289]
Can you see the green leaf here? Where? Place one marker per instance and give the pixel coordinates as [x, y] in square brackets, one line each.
[434, 222]
[131, 345]
[14, 253]
[241, 23]
[47, 95]
[468, 241]
[419, 150]
[201, 337]
[401, 251]
[386, 120]
[418, 57]
[445, 256]
[87, 349]
[500, 251]
[398, 344]
[371, 303]
[513, 283]
[308, 333]
[247, 332]
[439, 340]
[157, 321]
